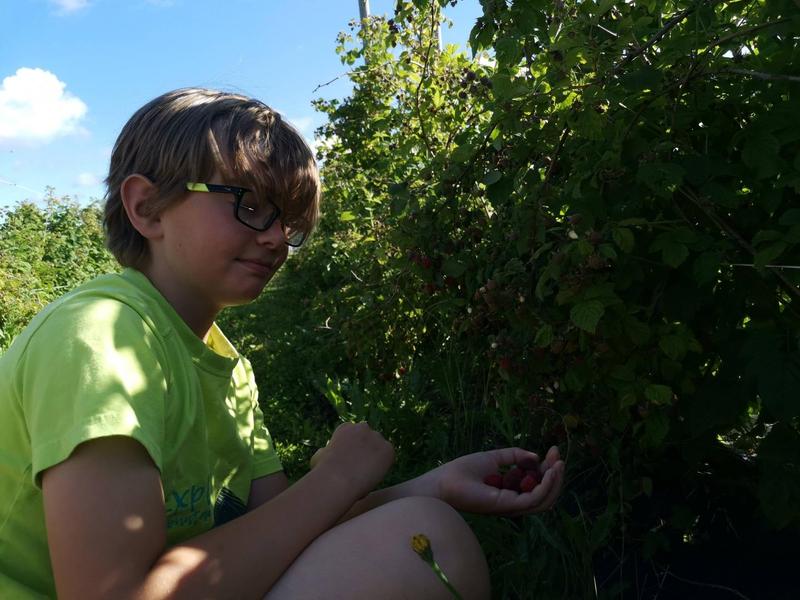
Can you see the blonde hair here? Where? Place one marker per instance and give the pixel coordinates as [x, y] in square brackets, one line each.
[189, 134]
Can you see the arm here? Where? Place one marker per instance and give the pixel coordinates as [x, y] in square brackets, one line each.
[104, 511]
[460, 483]
[266, 488]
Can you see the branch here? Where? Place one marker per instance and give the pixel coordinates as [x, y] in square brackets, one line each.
[422, 76]
[553, 160]
[747, 30]
[760, 75]
[671, 23]
[787, 285]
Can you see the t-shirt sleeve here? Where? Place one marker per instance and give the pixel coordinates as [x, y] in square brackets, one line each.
[265, 458]
[93, 369]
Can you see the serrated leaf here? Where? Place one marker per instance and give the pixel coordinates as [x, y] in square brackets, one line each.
[658, 394]
[587, 314]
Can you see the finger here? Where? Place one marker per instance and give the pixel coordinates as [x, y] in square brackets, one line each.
[550, 489]
[527, 502]
[552, 457]
[513, 456]
[556, 483]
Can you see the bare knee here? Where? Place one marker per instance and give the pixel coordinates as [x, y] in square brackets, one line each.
[455, 547]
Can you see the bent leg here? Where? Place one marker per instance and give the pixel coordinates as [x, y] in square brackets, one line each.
[370, 556]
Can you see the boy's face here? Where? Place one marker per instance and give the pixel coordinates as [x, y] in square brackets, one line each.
[210, 259]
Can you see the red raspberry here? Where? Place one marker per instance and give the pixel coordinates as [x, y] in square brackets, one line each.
[512, 479]
[494, 480]
[528, 483]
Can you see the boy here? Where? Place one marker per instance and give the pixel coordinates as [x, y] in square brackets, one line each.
[133, 458]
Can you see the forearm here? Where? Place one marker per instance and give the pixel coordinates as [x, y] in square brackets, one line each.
[245, 557]
[424, 485]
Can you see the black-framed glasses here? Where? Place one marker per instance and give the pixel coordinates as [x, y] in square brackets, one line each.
[249, 211]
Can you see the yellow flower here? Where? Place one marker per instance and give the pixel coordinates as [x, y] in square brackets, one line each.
[421, 544]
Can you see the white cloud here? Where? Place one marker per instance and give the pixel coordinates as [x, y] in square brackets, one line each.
[35, 106]
[88, 180]
[66, 7]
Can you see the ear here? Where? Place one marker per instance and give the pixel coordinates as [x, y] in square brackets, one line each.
[136, 190]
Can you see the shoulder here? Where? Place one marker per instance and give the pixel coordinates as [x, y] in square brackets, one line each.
[93, 325]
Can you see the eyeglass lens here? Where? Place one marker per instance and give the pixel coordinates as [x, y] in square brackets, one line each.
[261, 215]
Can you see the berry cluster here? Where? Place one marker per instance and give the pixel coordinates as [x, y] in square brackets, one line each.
[517, 479]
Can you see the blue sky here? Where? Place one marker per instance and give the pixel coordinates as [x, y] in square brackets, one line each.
[73, 71]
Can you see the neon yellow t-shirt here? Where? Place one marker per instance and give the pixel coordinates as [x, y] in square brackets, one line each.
[114, 358]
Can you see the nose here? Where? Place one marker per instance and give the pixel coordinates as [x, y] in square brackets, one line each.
[273, 236]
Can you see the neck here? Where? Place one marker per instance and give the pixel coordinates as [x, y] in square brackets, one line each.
[197, 315]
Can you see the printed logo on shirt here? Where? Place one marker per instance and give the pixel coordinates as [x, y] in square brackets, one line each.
[189, 506]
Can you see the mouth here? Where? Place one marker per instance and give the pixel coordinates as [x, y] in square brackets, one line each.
[257, 266]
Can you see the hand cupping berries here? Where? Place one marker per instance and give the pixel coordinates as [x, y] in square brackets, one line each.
[518, 479]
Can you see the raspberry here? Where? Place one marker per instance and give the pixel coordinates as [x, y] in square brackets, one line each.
[534, 474]
[528, 483]
[494, 480]
[512, 479]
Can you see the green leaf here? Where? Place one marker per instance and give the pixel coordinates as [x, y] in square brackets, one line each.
[791, 216]
[544, 337]
[674, 254]
[492, 177]
[642, 79]
[656, 427]
[766, 235]
[674, 346]
[672, 247]
[761, 152]
[658, 394]
[347, 216]
[768, 254]
[463, 153]
[623, 238]
[638, 332]
[453, 267]
[587, 314]
[706, 267]
[589, 124]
